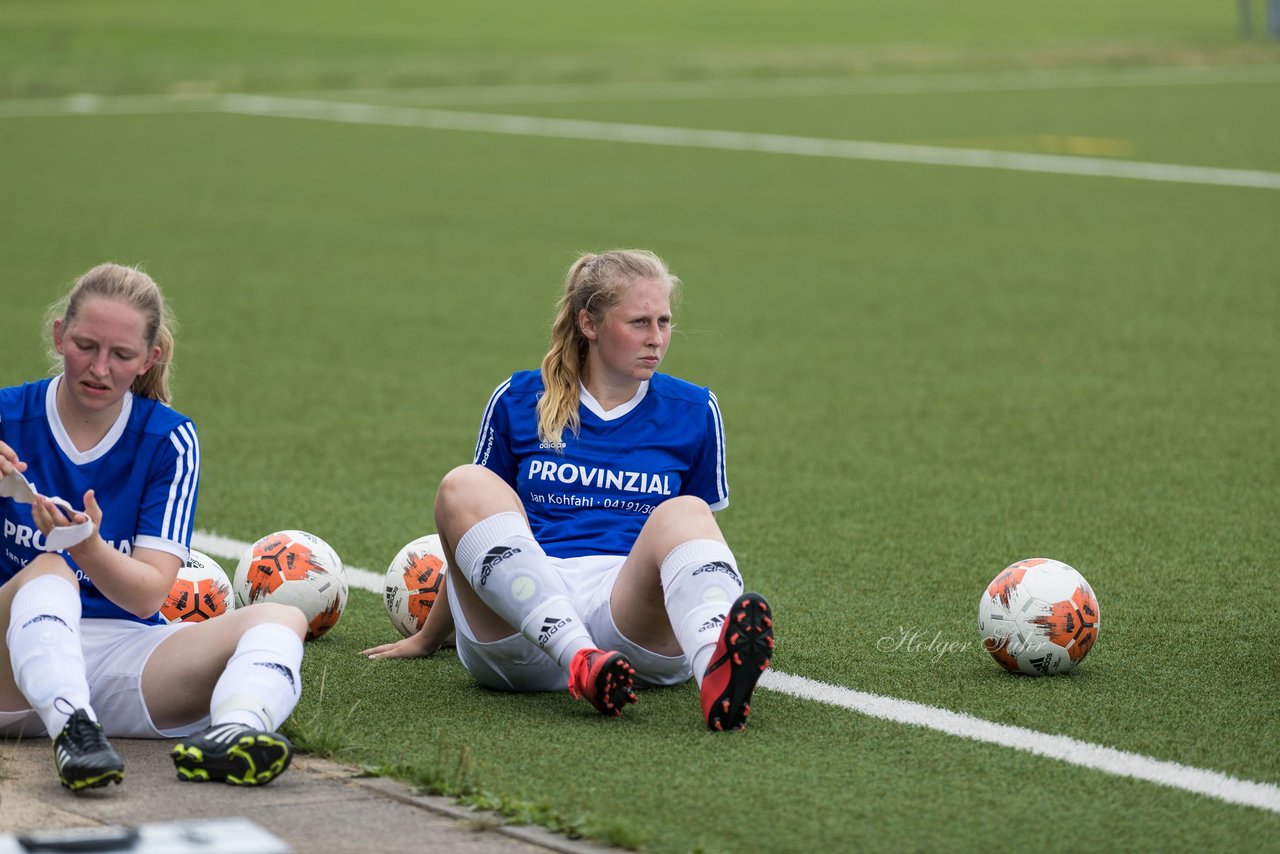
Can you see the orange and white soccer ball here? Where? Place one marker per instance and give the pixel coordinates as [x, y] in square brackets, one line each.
[294, 568]
[1039, 617]
[414, 580]
[200, 592]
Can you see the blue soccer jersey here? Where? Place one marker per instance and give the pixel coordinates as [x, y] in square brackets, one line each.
[145, 474]
[593, 495]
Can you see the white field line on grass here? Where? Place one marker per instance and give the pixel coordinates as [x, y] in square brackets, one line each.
[372, 114]
[1106, 759]
[1096, 757]
[381, 115]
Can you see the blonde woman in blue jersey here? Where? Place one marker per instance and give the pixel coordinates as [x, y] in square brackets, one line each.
[582, 542]
[85, 653]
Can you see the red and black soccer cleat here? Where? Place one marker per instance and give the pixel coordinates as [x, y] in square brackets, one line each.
[741, 655]
[605, 678]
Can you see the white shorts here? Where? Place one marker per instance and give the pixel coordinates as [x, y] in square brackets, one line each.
[115, 653]
[517, 664]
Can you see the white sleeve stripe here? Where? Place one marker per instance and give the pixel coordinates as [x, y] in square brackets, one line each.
[193, 479]
[173, 513]
[165, 531]
[488, 416]
[722, 477]
[177, 512]
[193, 475]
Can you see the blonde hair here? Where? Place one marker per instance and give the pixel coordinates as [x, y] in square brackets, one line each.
[595, 283]
[135, 288]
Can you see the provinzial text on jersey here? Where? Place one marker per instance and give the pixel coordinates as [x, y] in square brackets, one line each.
[33, 538]
[623, 481]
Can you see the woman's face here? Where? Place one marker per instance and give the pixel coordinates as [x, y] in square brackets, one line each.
[629, 344]
[104, 349]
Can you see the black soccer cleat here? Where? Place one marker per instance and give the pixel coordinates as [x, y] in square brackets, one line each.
[232, 753]
[83, 756]
[742, 654]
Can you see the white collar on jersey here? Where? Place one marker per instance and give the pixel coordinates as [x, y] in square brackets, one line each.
[618, 411]
[63, 439]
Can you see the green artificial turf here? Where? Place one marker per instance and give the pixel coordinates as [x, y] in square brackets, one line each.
[147, 46]
[926, 373]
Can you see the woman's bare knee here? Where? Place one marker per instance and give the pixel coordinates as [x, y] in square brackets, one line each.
[682, 518]
[275, 612]
[468, 494]
[47, 564]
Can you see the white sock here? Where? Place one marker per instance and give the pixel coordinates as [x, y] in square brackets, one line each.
[262, 680]
[700, 580]
[45, 650]
[509, 572]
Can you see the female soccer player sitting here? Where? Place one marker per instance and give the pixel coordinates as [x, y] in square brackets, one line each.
[86, 654]
[582, 545]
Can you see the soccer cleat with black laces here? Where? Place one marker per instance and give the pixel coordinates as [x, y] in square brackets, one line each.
[232, 753]
[83, 756]
[742, 653]
[606, 679]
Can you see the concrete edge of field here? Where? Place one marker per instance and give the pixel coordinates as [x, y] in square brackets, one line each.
[316, 805]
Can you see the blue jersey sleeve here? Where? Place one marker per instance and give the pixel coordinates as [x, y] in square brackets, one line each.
[707, 477]
[169, 496]
[493, 446]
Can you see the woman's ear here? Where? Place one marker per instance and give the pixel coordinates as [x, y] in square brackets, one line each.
[151, 360]
[587, 324]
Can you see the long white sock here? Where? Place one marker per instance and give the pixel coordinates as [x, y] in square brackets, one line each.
[509, 572]
[45, 650]
[699, 583]
[262, 681]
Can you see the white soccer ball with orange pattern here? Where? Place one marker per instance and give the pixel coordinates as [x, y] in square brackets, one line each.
[295, 568]
[200, 592]
[414, 579]
[1039, 617]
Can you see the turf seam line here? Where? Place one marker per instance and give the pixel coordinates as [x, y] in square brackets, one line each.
[828, 87]
[922, 83]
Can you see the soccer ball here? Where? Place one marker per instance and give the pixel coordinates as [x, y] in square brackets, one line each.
[414, 580]
[295, 568]
[1039, 617]
[200, 592]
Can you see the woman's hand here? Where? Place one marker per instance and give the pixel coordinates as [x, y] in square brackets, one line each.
[49, 515]
[92, 510]
[9, 461]
[436, 631]
[417, 645]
